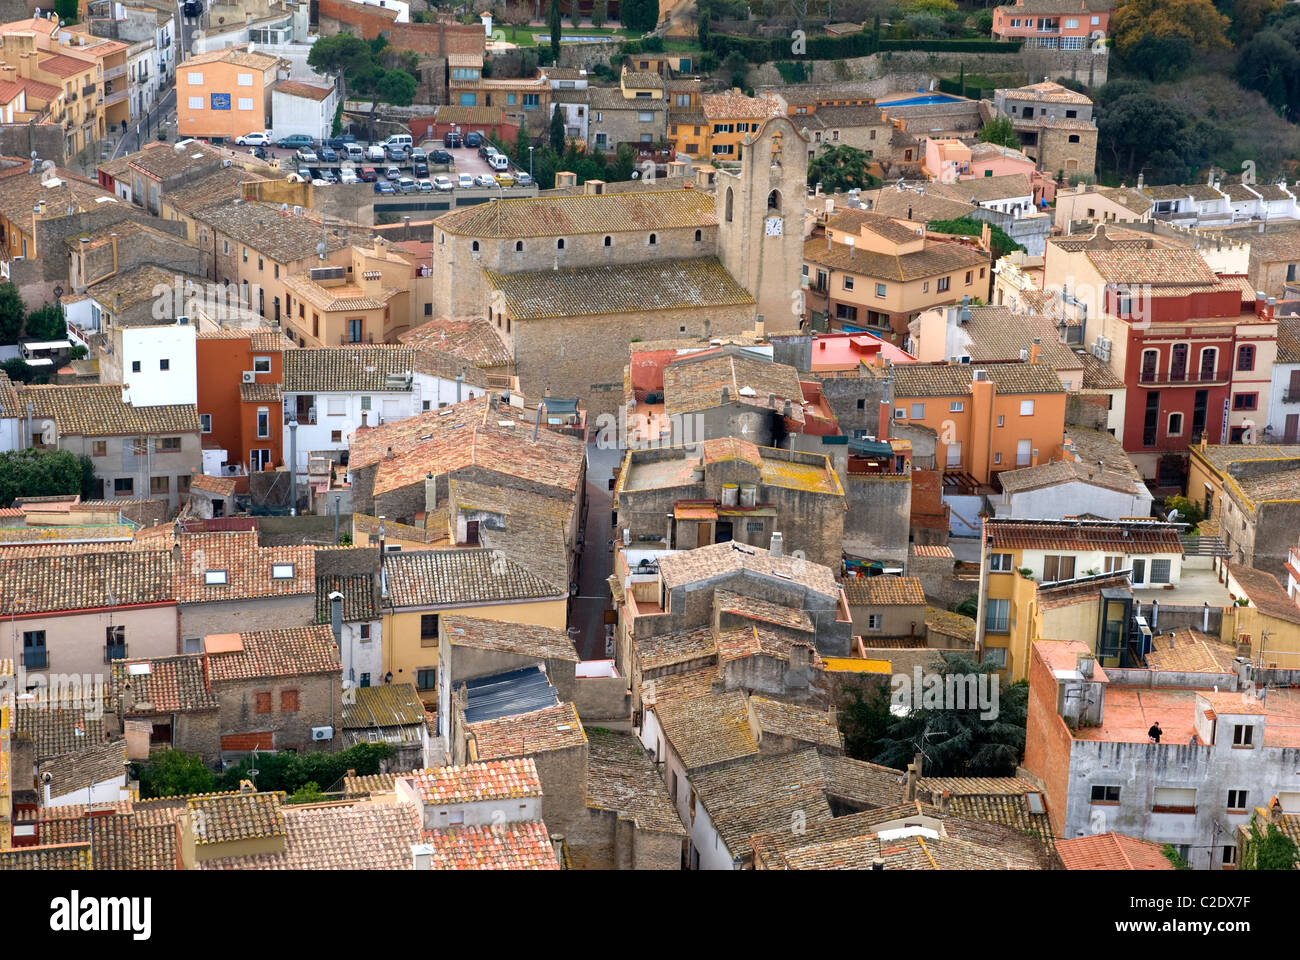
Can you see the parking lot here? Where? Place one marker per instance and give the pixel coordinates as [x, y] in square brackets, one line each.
[465, 160]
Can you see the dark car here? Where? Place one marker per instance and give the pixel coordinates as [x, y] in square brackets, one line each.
[440, 156]
[295, 141]
[328, 155]
[338, 143]
[420, 168]
[474, 139]
[451, 141]
[397, 154]
[383, 186]
[193, 8]
[483, 149]
[367, 174]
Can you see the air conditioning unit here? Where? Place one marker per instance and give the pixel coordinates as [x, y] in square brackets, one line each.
[182, 320]
[226, 162]
[250, 376]
[322, 733]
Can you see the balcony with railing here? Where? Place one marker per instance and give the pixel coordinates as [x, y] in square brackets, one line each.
[1291, 396]
[112, 97]
[111, 72]
[1182, 377]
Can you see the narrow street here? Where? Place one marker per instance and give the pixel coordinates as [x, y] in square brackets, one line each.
[596, 561]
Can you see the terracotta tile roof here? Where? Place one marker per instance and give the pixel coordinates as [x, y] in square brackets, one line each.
[97, 410]
[565, 216]
[249, 569]
[763, 610]
[65, 66]
[364, 836]
[372, 783]
[524, 845]
[883, 590]
[521, 639]
[71, 856]
[635, 288]
[1112, 851]
[468, 434]
[290, 652]
[59, 729]
[694, 384]
[690, 566]
[945, 623]
[82, 770]
[221, 486]
[937, 258]
[225, 817]
[239, 56]
[806, 724]
[859, 782]
[171, 685]
[388, 705]
[670, 648]
[447, 577]
[471, 338]
[672, 687]
[1049, 91]
[855, 220]
[1191, 651]
[896, 202]
[62, 578]
[292, 88]
[708, 730]
[123, 840]
[622, 778]
[1098, 376]
[931, 550]
[1065, 471]
[763, 793]
[525, 734]
[1159, 266]
[513, 779]
[1265, 592]
[360, 600]
[998, 333]
[1288, 339]
[164, 160]
[138, 285]
[533, 530]
[954, 379]
[758, 641]
[1137, 537]
[724, 106]
[351, 369]
[260, 392]
[282, 237]
[224, 183]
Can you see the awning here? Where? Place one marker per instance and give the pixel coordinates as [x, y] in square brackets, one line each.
[561, 407]
[870, 448]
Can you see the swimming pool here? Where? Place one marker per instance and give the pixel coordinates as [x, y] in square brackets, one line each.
[545, 38]
[920, 101]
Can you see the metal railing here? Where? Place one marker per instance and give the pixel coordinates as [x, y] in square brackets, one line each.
[1197, 376]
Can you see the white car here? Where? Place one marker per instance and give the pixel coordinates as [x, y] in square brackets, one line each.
[441, 182]
[318, 182]
[348, 175]
[307, 155]
[376, 152]
[465, 180]
[254, 140]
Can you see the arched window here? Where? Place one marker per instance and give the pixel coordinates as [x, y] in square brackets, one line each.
[653, 239]
[519, 246]
[609, 241]
[559, 243]
[729, 203]
[1150, 365]
[699, 235]
[474, 246]
[774, 200]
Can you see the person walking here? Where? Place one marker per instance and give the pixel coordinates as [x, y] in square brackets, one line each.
[1155, 732]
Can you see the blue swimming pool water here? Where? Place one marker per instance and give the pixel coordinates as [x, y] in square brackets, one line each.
[923, 100]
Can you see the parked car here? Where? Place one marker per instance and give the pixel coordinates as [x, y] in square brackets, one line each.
[464, 181]
[393, 173]
[367, 175]
[328, 155]
[505, 180]
[523, 179]
[419, 168]
[419, 156]
[329, 176]
[402, 141]
[294, 141]
[426, 186]
[407, 185]
[383, 186]
[320, 182]
[440, 156]
[485, 180]
[354, 152]
[341, 143]
[499, 163]
[253, 140]
[397, 154]
[348, 175]
[259, 152]
[452, 141]
[305, 173]
[443, 182]
[376, 151]
[474, 139]
[308, 155]
[193, 8]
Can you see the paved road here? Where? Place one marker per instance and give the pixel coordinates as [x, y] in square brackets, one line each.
[596, 561]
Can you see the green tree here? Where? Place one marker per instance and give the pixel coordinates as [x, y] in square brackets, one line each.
[599, 13]
[1196, 20]
[1001, 131]
[702, 28]
[553, 23]
[47, 323]
[1189, 511]
[293, 771]
[12, 311]
[865, 719]
[18, 370]
[340, 55]
[309, 792]
[67, 10]
[1174, 857]
[172, 773]
[557, 129]
[1001, 243]
[842, 168]
[961, 742]
[44, 473]
[1270, 849]
[522, 142]
[1158, 57]
[641, 16]
[1269, 63]
[736, 66]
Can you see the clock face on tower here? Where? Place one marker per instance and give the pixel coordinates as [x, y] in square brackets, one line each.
[774, 226]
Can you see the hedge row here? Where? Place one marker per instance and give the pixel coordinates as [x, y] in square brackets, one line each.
[864, 44]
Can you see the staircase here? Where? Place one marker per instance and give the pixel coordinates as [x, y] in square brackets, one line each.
[1195, 545]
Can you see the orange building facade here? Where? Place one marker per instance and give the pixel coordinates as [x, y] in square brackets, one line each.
[245, 419]
[225, 94]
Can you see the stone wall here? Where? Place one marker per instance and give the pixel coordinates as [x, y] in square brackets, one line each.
[320, 704]
[245, 616]
[879, 516]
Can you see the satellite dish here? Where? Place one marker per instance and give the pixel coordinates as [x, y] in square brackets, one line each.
[1173, 516]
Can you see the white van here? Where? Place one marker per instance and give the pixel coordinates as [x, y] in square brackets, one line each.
[354, 152]
[401, 141]
[376, 151]
[499, 162]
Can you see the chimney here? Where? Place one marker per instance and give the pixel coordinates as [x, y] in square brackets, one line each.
[877, 863]
[913, 774]
[557, 843]
[364, 415]
[430, 493]
[381, 538]
[789, 409]
[421, 856]
[777, 547]
[246, 786]
[1275, 810]
[336, 617]
[945, 801]
[884, 420]
[726, 395]
[1036, 350]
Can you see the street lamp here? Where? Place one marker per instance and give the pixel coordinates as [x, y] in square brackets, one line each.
[530, 160]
